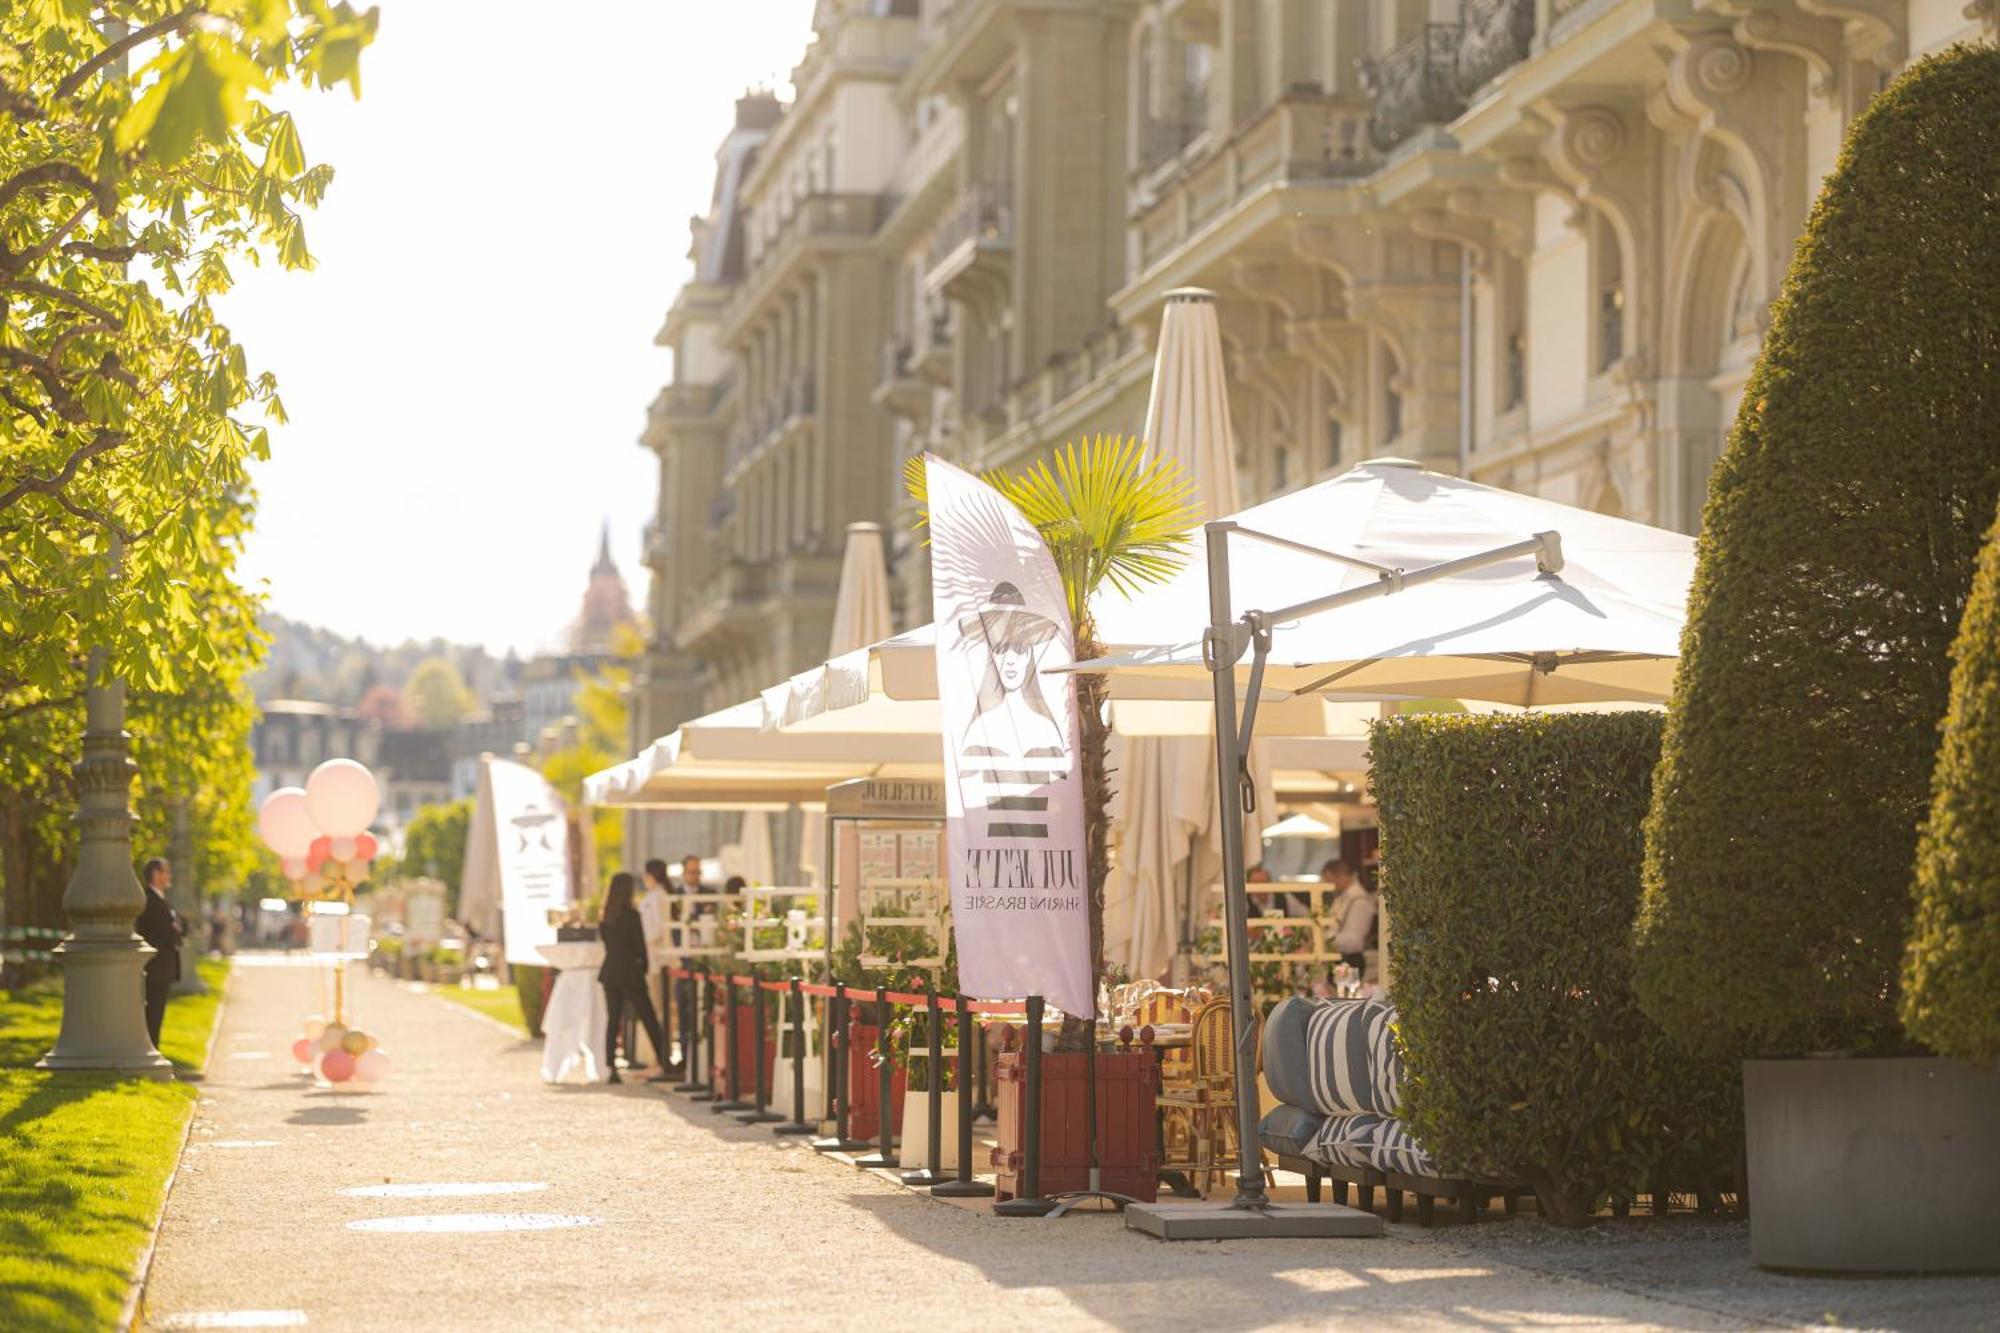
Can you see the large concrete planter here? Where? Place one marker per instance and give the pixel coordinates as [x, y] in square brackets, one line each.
[1872, 1165]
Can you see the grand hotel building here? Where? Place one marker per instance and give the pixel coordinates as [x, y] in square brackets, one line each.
[1531, 241]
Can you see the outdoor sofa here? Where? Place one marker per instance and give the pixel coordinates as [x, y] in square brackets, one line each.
[1337, 1076]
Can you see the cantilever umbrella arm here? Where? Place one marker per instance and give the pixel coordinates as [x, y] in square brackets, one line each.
[1225, 641]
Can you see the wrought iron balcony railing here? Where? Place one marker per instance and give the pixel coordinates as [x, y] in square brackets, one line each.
[1414, 85]
[1495, 37]
[983, 214]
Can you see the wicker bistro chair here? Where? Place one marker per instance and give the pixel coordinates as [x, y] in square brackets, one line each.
[1198, 1118]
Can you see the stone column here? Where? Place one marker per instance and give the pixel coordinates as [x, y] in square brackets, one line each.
[103, 959]
[186, 898]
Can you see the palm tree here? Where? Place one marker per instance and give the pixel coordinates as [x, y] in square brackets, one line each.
[1108, 514]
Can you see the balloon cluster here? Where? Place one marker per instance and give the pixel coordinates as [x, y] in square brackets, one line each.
[341, 1054]
[320, 831]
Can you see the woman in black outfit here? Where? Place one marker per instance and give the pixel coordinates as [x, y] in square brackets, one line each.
[623, 975]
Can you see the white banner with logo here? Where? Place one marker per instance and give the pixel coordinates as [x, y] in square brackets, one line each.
[1013, 788]
[518, 860]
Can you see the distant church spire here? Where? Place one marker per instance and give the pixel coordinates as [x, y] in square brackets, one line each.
[605, 603]
[604, 564]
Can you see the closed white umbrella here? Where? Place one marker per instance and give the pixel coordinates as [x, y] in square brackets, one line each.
[861, 600]
[1166, 803]
[860, 617]
[753, 849]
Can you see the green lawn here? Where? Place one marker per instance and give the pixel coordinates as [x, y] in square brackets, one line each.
[84, 1161]
[503, 1004]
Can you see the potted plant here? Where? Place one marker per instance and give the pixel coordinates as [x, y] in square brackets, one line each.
[1107, 514]
[1843, 526]
[907, 1034]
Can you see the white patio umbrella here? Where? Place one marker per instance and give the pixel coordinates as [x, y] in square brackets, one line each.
[1605, 627]
[1165, 804]
[729, 760]
[849, 704]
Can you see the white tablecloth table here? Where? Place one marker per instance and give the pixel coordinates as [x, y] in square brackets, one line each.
[573, 1023]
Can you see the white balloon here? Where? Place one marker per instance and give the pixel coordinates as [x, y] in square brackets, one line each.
[342, 848]
[342, 798]
[295, 867]
[285, 822]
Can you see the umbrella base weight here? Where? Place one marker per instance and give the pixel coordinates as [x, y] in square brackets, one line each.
[1018, 1207]
[1177, 1220]
[962, 1189]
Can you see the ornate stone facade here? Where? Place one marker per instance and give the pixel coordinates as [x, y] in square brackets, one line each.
[1534, 241]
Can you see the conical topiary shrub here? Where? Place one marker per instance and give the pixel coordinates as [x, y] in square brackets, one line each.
[1951, 975]
[1842, 527]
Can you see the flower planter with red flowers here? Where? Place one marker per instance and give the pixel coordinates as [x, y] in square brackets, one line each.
[864, 1084]
[746, 1051]
[1127, 1147]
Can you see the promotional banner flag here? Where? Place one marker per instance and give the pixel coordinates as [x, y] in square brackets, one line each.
[1013, 787]
[517, 859]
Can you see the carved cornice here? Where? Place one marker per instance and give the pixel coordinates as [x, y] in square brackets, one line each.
[1815, 43]
[1875, 30]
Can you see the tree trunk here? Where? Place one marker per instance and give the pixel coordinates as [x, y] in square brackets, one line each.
[1093, 748]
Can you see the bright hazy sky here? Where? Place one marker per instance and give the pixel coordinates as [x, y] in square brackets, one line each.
[467, 370]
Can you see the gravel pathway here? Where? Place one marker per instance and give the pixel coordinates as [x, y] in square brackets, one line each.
[688, 1219]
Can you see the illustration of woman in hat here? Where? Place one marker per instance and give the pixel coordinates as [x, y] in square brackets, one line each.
[1012, 719]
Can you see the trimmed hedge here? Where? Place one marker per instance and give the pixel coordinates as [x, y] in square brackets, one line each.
[1951, 974]
[1842, 527]
[1510, 870]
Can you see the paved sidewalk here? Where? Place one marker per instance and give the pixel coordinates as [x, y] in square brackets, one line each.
[693, 1220]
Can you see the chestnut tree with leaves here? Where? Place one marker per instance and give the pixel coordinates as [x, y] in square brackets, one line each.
[142, 157]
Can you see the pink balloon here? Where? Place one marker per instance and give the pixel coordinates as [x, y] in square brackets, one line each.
[342, 798]
[295, 867]
[302, 1050]
[337, 1065]
[371, 1067]
[284, 822]
[365, 847]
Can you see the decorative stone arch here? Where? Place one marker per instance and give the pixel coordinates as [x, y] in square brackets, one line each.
[1711, 261]
[1723, 161]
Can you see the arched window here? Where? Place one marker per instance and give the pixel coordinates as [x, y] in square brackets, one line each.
[1608, 264]
[1392, 396]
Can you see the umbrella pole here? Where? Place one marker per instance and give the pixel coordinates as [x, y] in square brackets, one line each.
[1222, 649]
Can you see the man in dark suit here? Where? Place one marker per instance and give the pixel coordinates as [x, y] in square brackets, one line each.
[160, 926]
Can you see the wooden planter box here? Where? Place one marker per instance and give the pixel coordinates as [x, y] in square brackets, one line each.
[864, 1085]
[1127, 1149]
[746, 1052]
